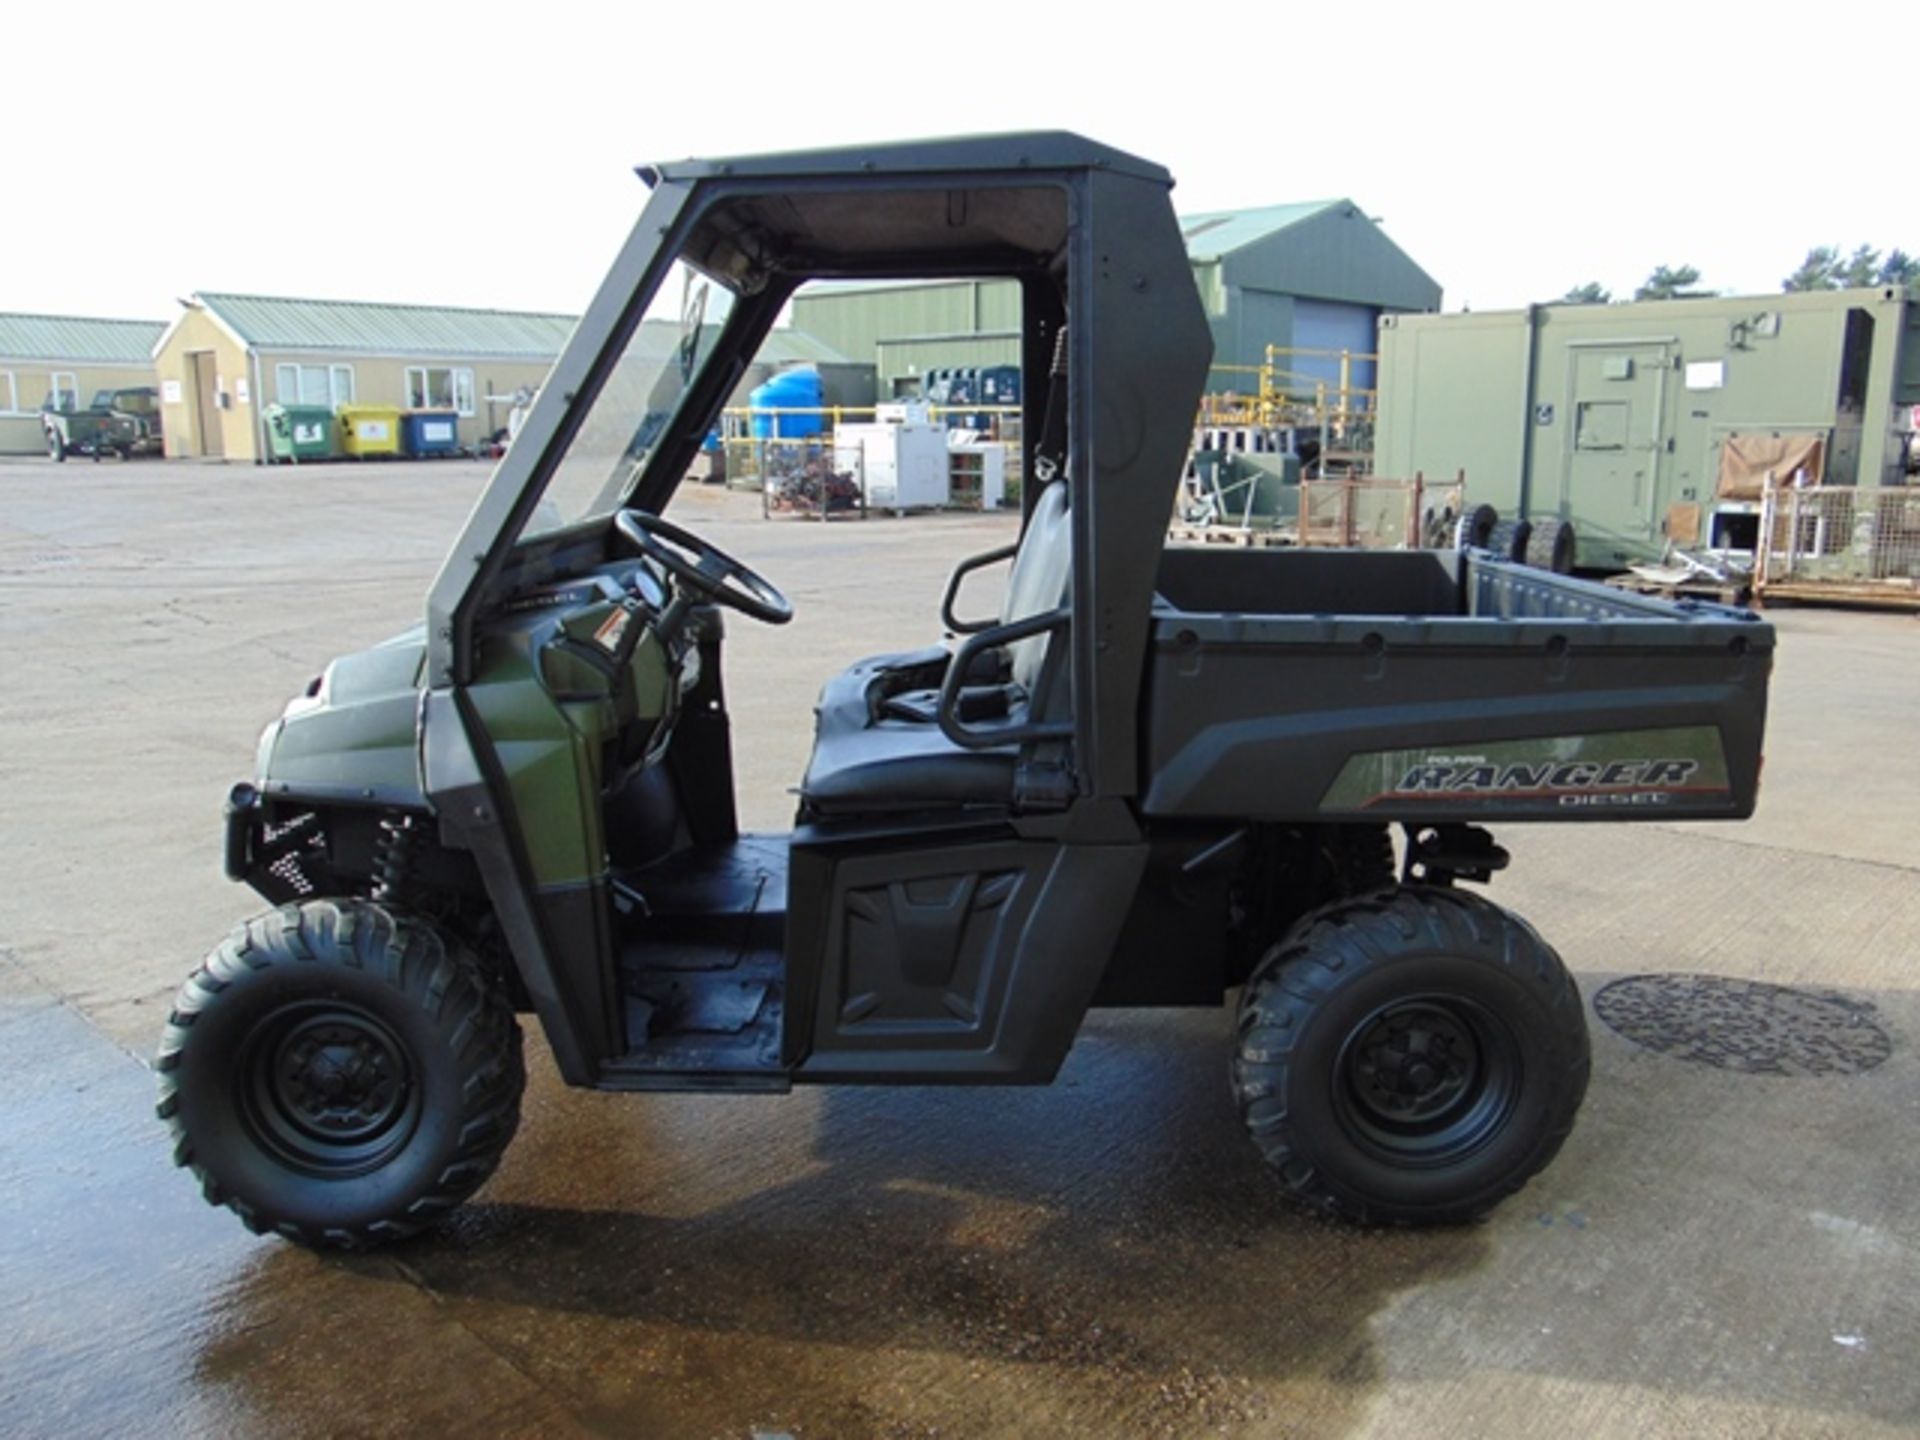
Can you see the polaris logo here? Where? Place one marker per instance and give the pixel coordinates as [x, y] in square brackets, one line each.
[1453, 776]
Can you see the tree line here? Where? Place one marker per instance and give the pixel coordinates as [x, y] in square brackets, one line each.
[1825, 268]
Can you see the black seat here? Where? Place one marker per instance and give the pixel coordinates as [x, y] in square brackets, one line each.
[876, 746]
[863, 762]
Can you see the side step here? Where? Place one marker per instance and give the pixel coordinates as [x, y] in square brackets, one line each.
[619, 1076]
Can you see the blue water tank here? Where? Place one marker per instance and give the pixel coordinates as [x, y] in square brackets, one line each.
[795, 389]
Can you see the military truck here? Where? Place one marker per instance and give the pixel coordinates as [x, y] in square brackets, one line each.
[1156, 776]
[119, 422]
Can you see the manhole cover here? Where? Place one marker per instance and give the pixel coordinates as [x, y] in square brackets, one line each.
[1744, 1025]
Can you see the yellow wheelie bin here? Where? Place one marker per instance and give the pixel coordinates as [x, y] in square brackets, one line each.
[370, 431]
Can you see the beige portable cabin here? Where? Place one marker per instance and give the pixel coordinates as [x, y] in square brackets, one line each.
[226, 358]
[45, 355]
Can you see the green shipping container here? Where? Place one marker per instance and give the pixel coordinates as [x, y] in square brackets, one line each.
[1634, 420]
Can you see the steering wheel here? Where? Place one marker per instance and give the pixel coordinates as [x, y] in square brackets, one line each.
[703, 567]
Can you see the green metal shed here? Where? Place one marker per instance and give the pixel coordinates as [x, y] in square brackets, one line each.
[1315, 276]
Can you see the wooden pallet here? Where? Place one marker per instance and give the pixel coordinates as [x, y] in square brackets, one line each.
[1230, 535]
[1733, 592]
[1874, 594]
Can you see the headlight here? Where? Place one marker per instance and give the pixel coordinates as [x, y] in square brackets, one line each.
[263, 753]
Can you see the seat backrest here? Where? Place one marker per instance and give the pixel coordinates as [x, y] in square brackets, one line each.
[1042, 570]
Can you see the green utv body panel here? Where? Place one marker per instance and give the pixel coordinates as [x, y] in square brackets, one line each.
[547, 752]
[548, 711]
[356, 739]
[549, 714]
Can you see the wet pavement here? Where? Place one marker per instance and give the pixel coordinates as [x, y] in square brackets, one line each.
[1714, 1252]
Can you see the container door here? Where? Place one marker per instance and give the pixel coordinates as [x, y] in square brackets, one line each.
[1614, 438]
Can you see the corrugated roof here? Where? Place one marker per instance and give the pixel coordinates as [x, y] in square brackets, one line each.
[269, 322]
[1208, 237]
[1221, 232]
[658, 339]
[790, 347]
[76, 338]
[272, 323]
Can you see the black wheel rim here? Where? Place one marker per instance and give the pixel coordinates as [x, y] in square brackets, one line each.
[328, 1089]
[1427, 1080]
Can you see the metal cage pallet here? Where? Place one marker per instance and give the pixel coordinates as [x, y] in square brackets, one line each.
[1840, 544]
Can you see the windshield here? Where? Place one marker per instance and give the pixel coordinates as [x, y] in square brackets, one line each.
[637, 405]
[129, 402]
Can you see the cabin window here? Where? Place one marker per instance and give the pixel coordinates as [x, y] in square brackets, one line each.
[433, 387]
[329, 385]
[1600, 425]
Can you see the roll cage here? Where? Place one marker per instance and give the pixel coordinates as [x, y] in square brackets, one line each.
[1085, 230]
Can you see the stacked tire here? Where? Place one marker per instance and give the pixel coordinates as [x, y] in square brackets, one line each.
[1542, 544]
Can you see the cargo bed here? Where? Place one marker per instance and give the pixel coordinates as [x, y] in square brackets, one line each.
[1423, 686]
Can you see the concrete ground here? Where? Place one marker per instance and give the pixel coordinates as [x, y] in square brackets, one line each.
[1714, 1252]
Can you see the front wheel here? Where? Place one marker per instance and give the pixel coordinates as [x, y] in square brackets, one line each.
[340, 1074]
[56, 447]
[1413, 1057]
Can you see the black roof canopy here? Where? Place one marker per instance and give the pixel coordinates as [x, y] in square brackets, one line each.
[1011, 152]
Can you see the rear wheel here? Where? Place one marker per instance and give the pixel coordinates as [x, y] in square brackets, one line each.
[340, 1074]
[56, 447]
[1413, 1057]
[1353, 859]
[1293, 873]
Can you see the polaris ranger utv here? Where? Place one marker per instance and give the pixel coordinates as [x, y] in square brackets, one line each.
[1157, 776]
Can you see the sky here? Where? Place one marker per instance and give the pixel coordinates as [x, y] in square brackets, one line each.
[483, 155]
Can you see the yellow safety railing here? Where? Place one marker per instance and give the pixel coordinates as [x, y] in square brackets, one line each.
[737, 420]
[1277, 395]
